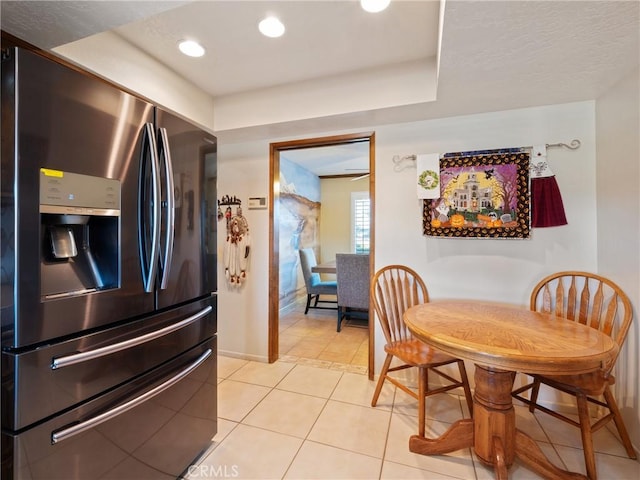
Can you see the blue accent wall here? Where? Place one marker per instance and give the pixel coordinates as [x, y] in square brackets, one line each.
[302, 181]
[299, 216]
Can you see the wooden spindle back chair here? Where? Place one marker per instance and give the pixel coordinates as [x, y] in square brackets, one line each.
[394, 289]
[599, 303]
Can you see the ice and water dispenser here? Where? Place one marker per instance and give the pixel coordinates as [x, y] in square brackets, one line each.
[80, 232]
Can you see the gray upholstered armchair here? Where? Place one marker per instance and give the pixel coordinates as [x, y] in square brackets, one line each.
[315, 287]
[352, 271]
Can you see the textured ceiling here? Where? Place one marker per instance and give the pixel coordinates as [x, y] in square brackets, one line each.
[515, 54]
[50, 23]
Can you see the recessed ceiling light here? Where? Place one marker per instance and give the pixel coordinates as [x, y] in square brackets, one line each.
[374, 6]
[191, 48]
[271, 27]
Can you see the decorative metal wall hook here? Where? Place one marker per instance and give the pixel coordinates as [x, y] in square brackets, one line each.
[575, 144]
[227, 200]
[400, 163]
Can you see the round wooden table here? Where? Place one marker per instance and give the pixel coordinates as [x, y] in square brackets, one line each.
[501, 340]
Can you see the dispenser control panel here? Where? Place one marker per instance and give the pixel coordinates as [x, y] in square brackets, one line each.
[70, 193]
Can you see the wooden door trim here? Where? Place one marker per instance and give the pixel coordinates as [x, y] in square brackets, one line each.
[274, 233]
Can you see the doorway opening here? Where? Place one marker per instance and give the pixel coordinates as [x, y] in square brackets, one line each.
[274, 228]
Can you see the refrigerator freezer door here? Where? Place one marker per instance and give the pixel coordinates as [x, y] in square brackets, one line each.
[44, 381]
[65, 121]
[151, 427]
[191, 260]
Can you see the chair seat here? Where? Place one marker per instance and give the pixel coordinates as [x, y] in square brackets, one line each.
[593, 383]
[416, 353]
[328, 287]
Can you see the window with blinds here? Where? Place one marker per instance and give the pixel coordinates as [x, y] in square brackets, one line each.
[360, 230]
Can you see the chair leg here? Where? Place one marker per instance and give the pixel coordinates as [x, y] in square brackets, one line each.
[587, 438]
[339, 318]
[426, 381]
[465, 386]
[617, 418]
[533, 398]
[422, 393]
[317, 300]
[306, 309]
[383, 375]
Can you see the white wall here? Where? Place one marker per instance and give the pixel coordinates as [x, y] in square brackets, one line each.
[502, 270]
[618, 202]
[243, 311]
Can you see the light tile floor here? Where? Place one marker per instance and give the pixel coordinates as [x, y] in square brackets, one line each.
[293, 421]
[313, 339]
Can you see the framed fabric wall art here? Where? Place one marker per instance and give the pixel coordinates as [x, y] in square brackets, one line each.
[483, 195]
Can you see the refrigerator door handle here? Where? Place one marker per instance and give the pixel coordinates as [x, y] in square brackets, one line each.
[77, 428]
[65, 361]
[165, 152]
[152, 267]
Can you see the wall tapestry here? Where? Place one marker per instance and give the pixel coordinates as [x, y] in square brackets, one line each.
[481, 196]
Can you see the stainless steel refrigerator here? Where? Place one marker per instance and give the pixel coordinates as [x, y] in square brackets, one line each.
[108, 279]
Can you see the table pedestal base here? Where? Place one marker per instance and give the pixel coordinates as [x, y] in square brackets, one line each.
[492, 432]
